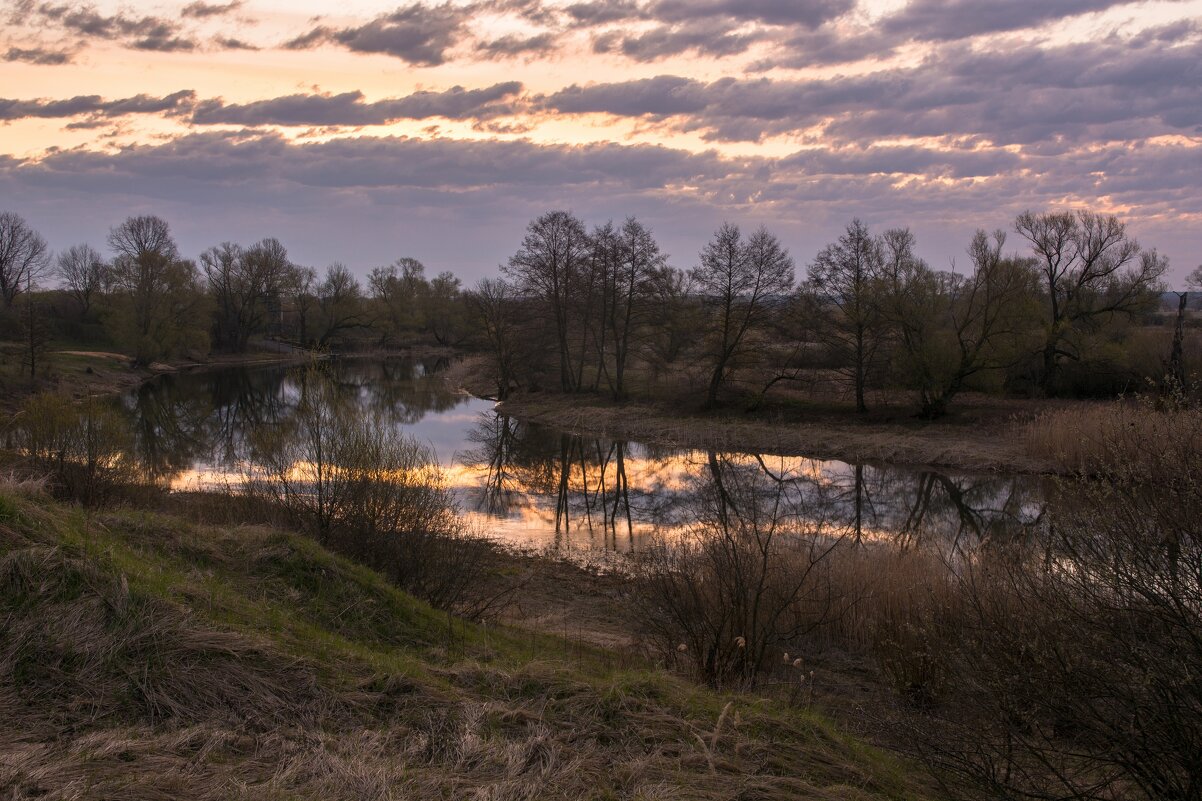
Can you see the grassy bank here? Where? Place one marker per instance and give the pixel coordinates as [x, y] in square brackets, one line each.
[981, 434]
[88, 373]
[146, 656]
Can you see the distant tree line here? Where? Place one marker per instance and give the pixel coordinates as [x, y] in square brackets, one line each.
[579, 310]
[145, 299]
[602, 310]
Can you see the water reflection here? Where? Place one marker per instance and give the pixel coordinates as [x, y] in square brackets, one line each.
[598, 491]
[528, 484]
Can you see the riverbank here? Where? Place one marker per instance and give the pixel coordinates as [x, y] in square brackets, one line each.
[81, 374]
[981, 434]
[155, 656]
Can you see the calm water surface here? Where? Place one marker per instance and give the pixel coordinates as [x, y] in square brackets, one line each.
[529, 485]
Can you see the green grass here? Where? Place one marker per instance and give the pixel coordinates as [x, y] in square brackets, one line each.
[147, 657]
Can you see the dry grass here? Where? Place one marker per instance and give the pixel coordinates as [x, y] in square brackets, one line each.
[1132, 432]
[148, 658]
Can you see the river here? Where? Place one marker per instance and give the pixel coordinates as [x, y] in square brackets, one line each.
[528, 485]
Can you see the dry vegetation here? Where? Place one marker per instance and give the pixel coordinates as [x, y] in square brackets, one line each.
[146, 657]
[1143, 432]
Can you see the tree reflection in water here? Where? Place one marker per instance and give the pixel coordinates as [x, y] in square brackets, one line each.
[528, 483]
[617, 491]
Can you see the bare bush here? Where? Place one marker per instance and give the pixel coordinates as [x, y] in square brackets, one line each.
[83, 450]
[1075, 658]
[360, 486]
[744, 583]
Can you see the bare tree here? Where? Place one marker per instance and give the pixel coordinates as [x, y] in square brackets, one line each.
[1175, 372]
[740, 278]
[24, 257]
[494, 304]
[244, 282]
[628, 288]
[843, 277]
[445, 314]
[340, 298]
[159, 304]
[297, 287]
[1091, 270]
[400, 288]
[950, 327]
[548, 266]
[84, 273]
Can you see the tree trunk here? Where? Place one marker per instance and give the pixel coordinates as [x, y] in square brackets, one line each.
[1176, 373]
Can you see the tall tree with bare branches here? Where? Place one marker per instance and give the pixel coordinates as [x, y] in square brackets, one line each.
[83, 272]
[739, 278]
[24, 257]
[1091, 270]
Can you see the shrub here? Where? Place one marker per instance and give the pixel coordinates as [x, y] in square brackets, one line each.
[360, 486]
[747, 581]
[1076, 657]
[83, 450]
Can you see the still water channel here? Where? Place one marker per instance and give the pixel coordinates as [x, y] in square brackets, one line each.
[529, 485]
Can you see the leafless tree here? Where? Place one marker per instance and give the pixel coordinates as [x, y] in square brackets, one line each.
[340, 298]
[400, 290]
[1175, 372]
[1091, 270]
[159, 303]
[548, 266]
[445, 313]
[844, 279]
[24, 257]
[298, 288]
[628, 287]
[495, 307]
[244, 282]
[951, 328]
[84, 273]
[740, 278]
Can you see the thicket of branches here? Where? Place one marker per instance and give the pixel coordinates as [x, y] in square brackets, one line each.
[602, 310]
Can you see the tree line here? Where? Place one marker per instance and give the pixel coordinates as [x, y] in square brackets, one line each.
[149, 301]
[602, 310]
[576, 309]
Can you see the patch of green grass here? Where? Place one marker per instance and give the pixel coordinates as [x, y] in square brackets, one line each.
[159, 657]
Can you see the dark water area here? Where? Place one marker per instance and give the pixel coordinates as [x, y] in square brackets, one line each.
[526, 484]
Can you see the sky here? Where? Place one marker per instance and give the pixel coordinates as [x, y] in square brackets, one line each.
[363, 131]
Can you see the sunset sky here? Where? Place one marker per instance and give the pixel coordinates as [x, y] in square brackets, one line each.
[365, 131]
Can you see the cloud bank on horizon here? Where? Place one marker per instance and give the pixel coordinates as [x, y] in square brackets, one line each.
[437, 129]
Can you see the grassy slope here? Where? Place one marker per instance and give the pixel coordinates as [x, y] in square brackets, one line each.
[145, 657]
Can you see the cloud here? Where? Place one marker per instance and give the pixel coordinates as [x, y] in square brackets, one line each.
[446, 191]
[807, 13]
[202, 10]
[510, 46]
[704, 37]
[38, 55]
[138, 32]
[603, 12]
[96, 106]
[923, 21]
[948, 20]
[418, 34]
[349, 108]
[233, 43]
[1019, 95]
